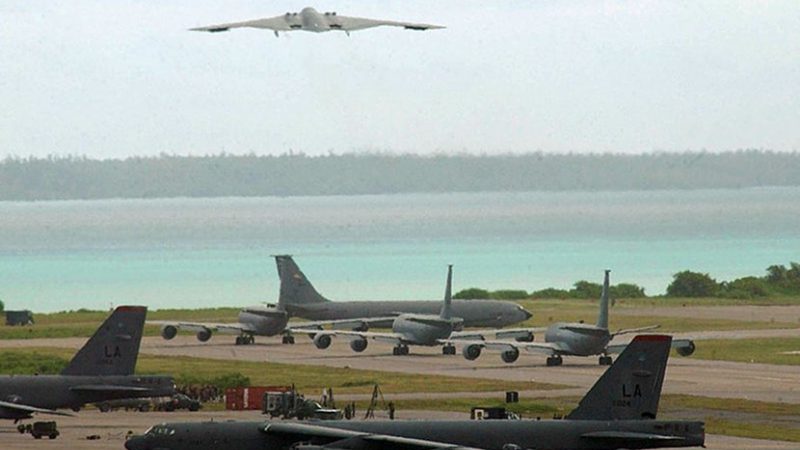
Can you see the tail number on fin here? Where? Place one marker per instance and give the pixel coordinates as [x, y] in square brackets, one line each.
[627, 394]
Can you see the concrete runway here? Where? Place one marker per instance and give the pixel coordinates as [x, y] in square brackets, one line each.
[765, 382]
[723, 379]
[772, 383]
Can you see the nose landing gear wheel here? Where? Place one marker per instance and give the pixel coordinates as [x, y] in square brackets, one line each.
[605, 360]
[288, 340]
[449, 349]
[400, 350]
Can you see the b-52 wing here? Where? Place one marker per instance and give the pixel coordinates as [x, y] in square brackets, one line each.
[334, 438]
[27, 409]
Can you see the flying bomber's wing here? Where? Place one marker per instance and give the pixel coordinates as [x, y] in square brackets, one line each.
[334, 438]
[358, 23]
[284, 22]
[224, 328]
[17, 407]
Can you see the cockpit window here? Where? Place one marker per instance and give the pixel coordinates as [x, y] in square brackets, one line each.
[160, 430]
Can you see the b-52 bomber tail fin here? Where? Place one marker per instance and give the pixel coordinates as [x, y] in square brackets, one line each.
[114, 347]
[295, 287]
[631, 388]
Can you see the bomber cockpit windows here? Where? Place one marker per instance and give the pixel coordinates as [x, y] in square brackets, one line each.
[160, 430]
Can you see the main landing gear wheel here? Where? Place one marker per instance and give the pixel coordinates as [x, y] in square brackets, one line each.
[605, 360]
[554, 361]
[288, 340]
[449, 349]
[400, 350]
[245, 340]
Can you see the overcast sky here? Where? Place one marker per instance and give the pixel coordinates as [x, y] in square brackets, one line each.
[118, 78]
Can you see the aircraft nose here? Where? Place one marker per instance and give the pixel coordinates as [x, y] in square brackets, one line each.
[527, 314]
[136, 443]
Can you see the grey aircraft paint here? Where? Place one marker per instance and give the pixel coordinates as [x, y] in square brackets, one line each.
[618, 412]
[309, 19]
[573, 339]
[101, 370]
[301, 299]
[408, 329]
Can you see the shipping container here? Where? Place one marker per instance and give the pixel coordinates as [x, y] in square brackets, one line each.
[249, 398]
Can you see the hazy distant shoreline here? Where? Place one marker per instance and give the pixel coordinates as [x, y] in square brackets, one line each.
[166, 176]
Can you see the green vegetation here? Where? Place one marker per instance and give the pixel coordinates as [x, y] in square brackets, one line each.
[77, 177]
[780, 282]
[761, 430]
[83, 322]
[188, 370]
[692, 284]
[547, 312]
[31, 362]
[582, 290]
[764, 350]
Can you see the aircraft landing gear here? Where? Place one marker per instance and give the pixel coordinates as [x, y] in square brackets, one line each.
[605, 360]
[287, 339]
[449, 349]
[245, 340]
[554, 361]
[400, 350]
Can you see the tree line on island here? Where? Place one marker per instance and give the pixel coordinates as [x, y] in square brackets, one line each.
[779, 281]
[290, 174]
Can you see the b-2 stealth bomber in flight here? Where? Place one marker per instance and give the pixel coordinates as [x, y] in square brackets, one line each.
[309, 19]
[619, 411]
[101, 370]
[420, 329]
[573, 339]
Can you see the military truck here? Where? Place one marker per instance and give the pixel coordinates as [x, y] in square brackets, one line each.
[40, 429]
[492, 413]
[21, 318]
[291, 404]
[178, 401]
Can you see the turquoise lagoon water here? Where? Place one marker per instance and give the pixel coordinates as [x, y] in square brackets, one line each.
[168, 253]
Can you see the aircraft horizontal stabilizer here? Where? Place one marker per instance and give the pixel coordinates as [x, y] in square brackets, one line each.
[31, 409]
[636, 330]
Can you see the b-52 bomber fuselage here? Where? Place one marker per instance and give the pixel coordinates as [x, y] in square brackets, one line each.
[618, 412]
[101, 370]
